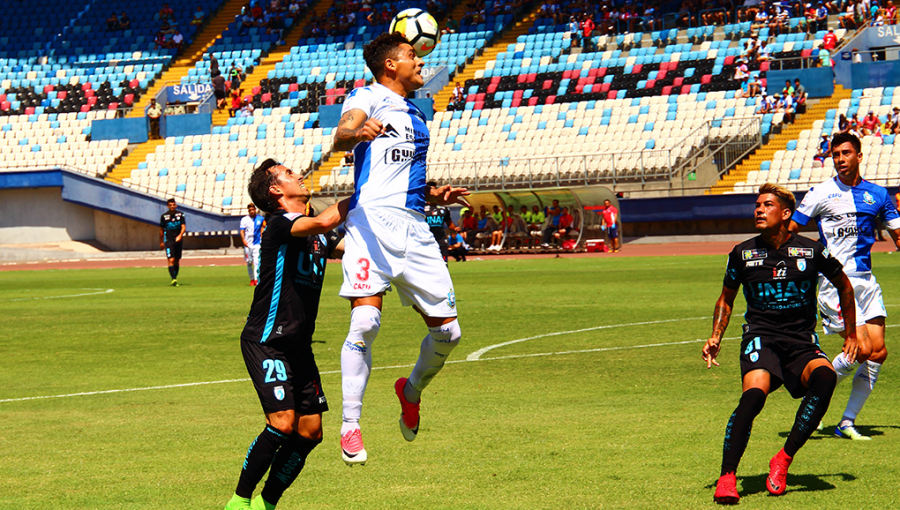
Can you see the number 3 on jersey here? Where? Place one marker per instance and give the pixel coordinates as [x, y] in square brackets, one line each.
[363, 273]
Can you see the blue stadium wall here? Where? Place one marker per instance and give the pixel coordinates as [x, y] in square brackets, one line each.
[59, 205]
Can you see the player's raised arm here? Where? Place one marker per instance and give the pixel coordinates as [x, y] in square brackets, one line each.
[355, 127]
[721, 316]
[329, 219]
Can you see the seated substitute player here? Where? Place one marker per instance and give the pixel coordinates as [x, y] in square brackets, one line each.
[779, 271]
[388, 241]
[277, 339]
[171, 233]
[846, 209]
[438, 218]
[252, 226]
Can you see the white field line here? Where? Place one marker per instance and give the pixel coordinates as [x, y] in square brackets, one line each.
[99, 291]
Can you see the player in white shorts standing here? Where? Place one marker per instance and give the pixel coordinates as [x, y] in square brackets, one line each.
[252, 227]
[845, 209]
[388, 242]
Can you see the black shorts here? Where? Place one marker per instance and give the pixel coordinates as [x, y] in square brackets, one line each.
[173, 249]
[220, 94]
[285, 376]
[783, 357]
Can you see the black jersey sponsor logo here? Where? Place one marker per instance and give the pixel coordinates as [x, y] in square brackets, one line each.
[390, 132]
[796, 252]
[753, 263]
[753, 254]
[851, 231]
[403, 154]
[780, 271]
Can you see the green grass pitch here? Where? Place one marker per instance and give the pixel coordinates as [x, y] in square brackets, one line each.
[595, 410]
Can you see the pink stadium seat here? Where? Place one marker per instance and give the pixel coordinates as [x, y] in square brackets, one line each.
[357, 84]
[601, 72]
[328, 100]
[550, 100]
[762, 82]
[471, 98]
[29, 110]
[661, 74]
[667, 90]
[495, 80]
[521, 78]
[677, 82]
[129, 99]
[91, 101]
[806, 53]
[61, 94]
[328, 92]
[479, 105]
[611, 95]
[85, 108]
[86, 86]
[492, 88]
[764, 66]
[113, 106]
[547, 85]
[637, 69]
[518, 93]
[480, 96]
[255, 91]
[516, 102]
[532, 101]
[5, 106]
[135, 83]
[2, 98]
[340, 91]
[89, 93]
[294, 87]
[48, 89]
[685, 89]
[706, 78]
[650, 84]
[729, 60]
[532, 77]
[579, 89]
[268, 97]
[604, 87]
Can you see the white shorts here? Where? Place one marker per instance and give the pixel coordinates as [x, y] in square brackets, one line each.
[869, 303]
[388, 246]
[251, 254]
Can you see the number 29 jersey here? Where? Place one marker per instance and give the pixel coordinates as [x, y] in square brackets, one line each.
[780, 285]
[389, 171]
[845, 216]
[286, 300]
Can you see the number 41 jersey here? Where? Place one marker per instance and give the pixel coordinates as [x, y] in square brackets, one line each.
[286, 301]
[845, 216]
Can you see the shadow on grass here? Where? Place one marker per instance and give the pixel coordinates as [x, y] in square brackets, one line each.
[756, 484]
[828, 431]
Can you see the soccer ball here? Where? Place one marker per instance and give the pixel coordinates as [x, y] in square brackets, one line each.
[419, 28]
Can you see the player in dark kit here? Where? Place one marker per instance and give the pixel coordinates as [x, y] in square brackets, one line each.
[438, 218]
[277, 338]
[779, 271]
[171, 233]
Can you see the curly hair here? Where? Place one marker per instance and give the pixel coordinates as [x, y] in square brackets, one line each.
[380, 49]
[258, 188]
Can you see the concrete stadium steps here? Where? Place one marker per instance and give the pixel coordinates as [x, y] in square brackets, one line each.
[205, 38]
[131, 161]
[779, 142]
[442, 98]
[276, 55]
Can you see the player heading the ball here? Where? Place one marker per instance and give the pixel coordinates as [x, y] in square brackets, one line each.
[388, 242]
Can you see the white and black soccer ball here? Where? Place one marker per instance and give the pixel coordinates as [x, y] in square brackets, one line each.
[419, 28]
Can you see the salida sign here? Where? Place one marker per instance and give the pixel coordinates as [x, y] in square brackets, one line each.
[888, 35]
[188, 93]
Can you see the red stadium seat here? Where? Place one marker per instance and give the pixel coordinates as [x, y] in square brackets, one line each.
[601, 72]
[89, 93]
[550, 100]
[661, 74]
[86, 86]
[650, 84]
[294, 87]
[135, 83]
[762, 82]
[340, 91]
[637, 69]
[516, 102]
[266, 97]
[604, 87]
[729, 60]
[91, 101]
[612, 94]
[548, 84]
[532, 101]
[48, 89]
[764, 66]
[590, 80]
[85, 108]
[129, 99]
[567, 75]
[532, 77]
[491, 88]
[357, 84]
[2, 98]
[5, 106]
[480, 96]
[113, 106]
[806, 53]
[479, 105]
[495, 80]
[579, 89]
[677, 82]
[518, 93]
[685, 89]
[61, 94]
[471, 98]
[667, 90]
[521, 78]
[328, 100]
[29, 110]
[255, 91]
[329, 92]
[706, 78]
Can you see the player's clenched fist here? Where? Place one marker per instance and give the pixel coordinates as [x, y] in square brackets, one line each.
[370, 130]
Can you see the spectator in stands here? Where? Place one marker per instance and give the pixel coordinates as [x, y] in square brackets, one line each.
[754, 85]
[235, 101]
[821, 20]
[159, 40]
[458, 100]
[847, 18]
[246, 108]
[112, 22]
[124, 21]
[219, 91]
[765, 106]
[457, 246]
[787, 106]
[829, 41]
[870, 124]
[166, 13]
[587, 30]
[177, 39]
[895, 121]
[741, 70]
[788, 89]
[843, 124]
[452, 26]
[198, 16]
[855, 126]
[823, 152]
[572, 31]
[213, 66]
[154, 112]
[236, 75]
[765, 52]
[799, 96]
[751, 49]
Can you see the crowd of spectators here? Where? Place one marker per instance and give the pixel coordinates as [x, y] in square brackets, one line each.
[169, 35]
[269, 15]
[115, 23]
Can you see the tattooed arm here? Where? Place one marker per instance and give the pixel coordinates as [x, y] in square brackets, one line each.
[355, 127]
[721, 316]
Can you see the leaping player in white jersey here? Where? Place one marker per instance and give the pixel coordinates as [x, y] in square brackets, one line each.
[388, 241]
[845, 209]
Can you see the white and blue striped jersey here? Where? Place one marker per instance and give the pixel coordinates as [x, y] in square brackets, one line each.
[845, 216]
[253, 228]
[390, 170]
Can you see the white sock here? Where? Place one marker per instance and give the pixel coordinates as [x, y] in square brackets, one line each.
[356, 362]
[435, 349]
[251, 270]
[863, 383]
[843, 367]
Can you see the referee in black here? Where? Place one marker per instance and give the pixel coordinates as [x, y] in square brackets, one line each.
[277, 339]
[779, 271]
[438, 218]
[171, 233]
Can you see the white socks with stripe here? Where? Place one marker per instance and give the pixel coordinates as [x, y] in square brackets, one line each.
[863, 383]
[435, 349]
[356, 362]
